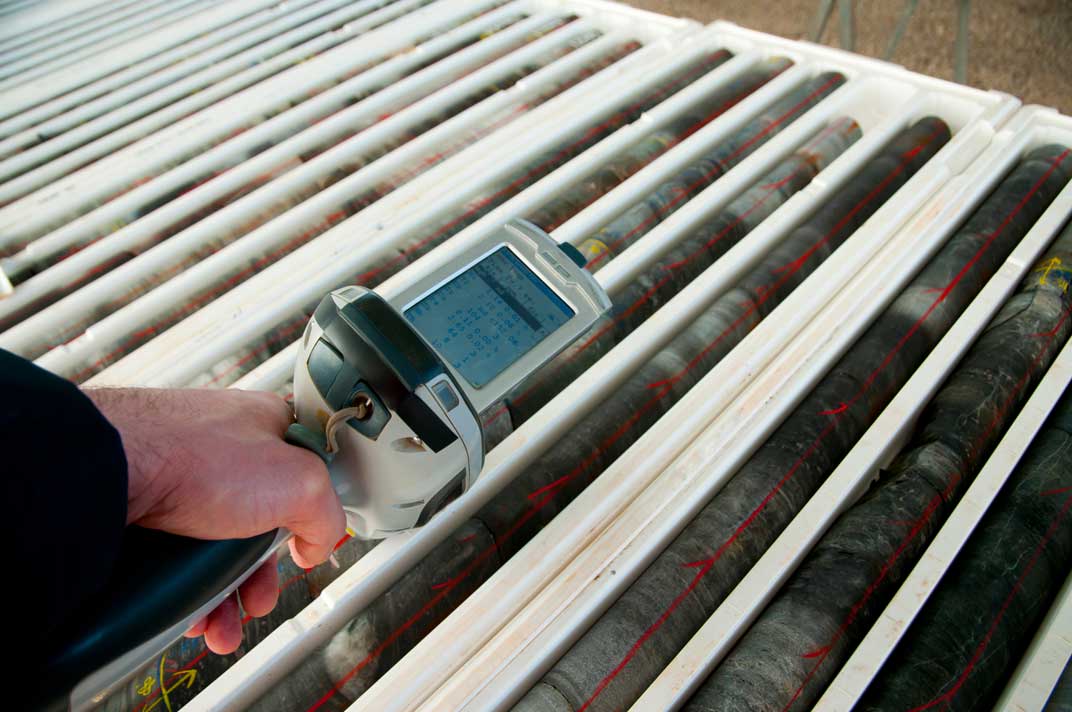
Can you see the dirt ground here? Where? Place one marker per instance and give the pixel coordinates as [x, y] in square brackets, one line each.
[1023, 47]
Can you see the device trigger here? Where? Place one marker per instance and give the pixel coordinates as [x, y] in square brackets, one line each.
[574, 254]
[317, 442]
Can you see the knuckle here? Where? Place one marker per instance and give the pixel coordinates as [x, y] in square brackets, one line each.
[316, 486]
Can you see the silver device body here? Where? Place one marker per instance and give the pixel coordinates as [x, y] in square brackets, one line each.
[388, 475]
[384, 483]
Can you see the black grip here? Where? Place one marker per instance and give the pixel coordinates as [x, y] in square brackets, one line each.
[160, 580]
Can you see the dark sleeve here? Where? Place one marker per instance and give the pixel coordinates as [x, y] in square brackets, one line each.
[65, 495]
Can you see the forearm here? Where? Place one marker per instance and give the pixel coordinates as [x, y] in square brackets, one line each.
[208, 464]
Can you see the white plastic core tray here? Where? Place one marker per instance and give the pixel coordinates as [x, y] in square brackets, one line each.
[485, 649]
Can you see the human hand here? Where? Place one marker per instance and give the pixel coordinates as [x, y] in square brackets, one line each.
[212, 464]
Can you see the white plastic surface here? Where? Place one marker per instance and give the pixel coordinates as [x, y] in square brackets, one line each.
[22, 70]
[91, 29]
[60, 78]
[29, 21]
[27, 217]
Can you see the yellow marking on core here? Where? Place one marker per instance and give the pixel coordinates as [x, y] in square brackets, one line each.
[163, 690]
[146, 686]
[185, 676]
[1050, 265]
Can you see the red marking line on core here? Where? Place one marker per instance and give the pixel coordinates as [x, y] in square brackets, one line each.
[707, 564]
[708, 118]
[1056, 327]
[293, 579]
[789, 269]
[918, 525]
[832, 425]
[176, 673]
[442, 591]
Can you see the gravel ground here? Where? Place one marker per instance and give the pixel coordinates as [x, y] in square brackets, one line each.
[1023, 47]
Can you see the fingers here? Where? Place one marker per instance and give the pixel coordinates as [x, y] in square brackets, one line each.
[222, 627]
[223, 632]
[197, 629]
[308, 553]
[260, 591]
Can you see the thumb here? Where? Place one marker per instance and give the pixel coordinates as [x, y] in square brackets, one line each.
[315, 518]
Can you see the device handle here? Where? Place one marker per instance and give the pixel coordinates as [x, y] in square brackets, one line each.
[162, 585]
[315, 441]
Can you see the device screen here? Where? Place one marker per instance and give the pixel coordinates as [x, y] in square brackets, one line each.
[488, 316]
